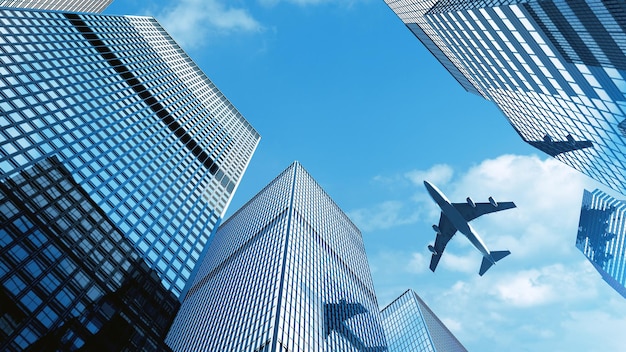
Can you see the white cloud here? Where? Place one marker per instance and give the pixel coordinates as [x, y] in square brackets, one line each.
[604, 333]
[545, 295]
[509, 306]
[392, 213]
[548, 284]
[525, 290]
[310, 2]
[548, 195]
[417, 263]
[439, 174]
[382, 216]
[465, 264]
[453, 325]
[194, 22]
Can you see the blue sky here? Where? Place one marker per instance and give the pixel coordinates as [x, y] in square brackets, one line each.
[343, 87]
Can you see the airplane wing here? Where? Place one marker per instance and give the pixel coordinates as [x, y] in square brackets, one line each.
[470, 213]
[446, 231]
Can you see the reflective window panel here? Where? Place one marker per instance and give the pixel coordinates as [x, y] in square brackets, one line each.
[601, 235]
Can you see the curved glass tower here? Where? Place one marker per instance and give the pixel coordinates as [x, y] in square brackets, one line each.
[287, 272]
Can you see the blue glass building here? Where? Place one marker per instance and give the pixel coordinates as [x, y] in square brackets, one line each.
[59, 5]
[286, 272]
[410, 325]
[601, 235]
[70, 279]
[556, 69]
[138, 125]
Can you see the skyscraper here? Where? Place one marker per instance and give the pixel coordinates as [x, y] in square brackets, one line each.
[138, 125]
[410, 325]
[601, 235]
[287, 271]
[70, 279]
[59, 5]
[554, 68]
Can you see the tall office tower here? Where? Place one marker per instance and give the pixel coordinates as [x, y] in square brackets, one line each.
[411, 326]
[286, 272]
[601, 235]
[139, 126]
[70, 279]
[59, 5]
[556, 69]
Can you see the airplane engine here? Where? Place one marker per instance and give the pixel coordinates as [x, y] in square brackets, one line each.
[432, 249]
[493, 202]
[436, 228]
[471, 202]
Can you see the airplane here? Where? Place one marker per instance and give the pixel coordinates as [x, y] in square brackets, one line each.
[456, 216]
[554, 148]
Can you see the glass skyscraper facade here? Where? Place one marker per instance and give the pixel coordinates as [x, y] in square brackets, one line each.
[556, 69]
[286, 272]
[138, 125]
[70, 279]
[59, 5]
[601, 236]
[410, 325]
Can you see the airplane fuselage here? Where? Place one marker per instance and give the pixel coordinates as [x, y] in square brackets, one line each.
[457, 220]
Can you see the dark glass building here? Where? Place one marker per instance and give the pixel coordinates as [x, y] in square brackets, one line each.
[410, 325]
[139, 126]
[556, 69]
[601, 235]
[286, 272]
[70, 279]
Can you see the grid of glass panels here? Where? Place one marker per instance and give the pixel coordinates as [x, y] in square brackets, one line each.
[555, 68]
[287, 271]
[601, 236]
[61, 5]
[404, 325]
[410, 325]
[137, 123]
[442, 338]
[68, 277]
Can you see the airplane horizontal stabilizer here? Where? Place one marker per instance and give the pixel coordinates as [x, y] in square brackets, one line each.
[497, 255]
[486, 264]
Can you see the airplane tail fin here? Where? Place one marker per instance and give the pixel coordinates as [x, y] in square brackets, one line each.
[486, 264]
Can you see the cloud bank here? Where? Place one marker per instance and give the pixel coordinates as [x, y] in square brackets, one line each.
[544, 291]
[310, 2]
[193, 23]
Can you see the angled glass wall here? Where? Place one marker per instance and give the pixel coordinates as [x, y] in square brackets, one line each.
[139, 126]
[287, 271]
[59, 5]
[410, 325]
[69, 279]
[601, 235]
[556, 69]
